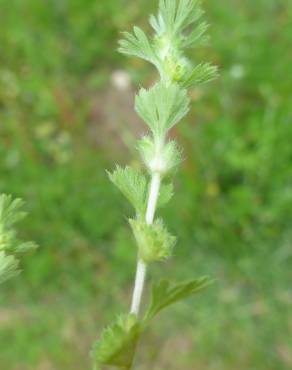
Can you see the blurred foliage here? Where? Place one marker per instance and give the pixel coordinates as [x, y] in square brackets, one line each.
[238, 184]
[232, 208]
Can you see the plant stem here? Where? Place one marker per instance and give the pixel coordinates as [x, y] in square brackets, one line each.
[153, 196]
[141, 265]
[139, 286]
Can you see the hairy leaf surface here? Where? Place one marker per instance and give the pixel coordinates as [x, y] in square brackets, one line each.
[155, 243]
[118, 342]
[202, 73]
[133, 185]
[161, 107]
[8, 267]
[10, 246]
[138, 44]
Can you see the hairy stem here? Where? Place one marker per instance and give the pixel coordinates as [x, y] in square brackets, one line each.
[141, 265]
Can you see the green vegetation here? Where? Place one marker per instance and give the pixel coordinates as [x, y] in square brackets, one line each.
[10, 246]
[177, 27]
[232, 209]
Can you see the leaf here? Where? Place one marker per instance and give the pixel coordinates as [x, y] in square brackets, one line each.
[24, 247]
[162, 107]
[10, 213]
[188, 12]
[176, 17]
[164, 295]
[196, 37]
[202, 73]
[8, 267]
[118, 342]
[155, 243]
[138, 44]
[132, 184]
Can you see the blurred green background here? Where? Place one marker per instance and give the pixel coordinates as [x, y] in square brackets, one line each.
[66, 115]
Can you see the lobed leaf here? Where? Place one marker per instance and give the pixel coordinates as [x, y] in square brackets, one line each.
[8, 267]
[132, 184]
[118, 342]
[10, 213]
[155, 243]
[196, 37]
[162, 107]
[175, 18]
[138, 44]
[202, 73]
[164, 294]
